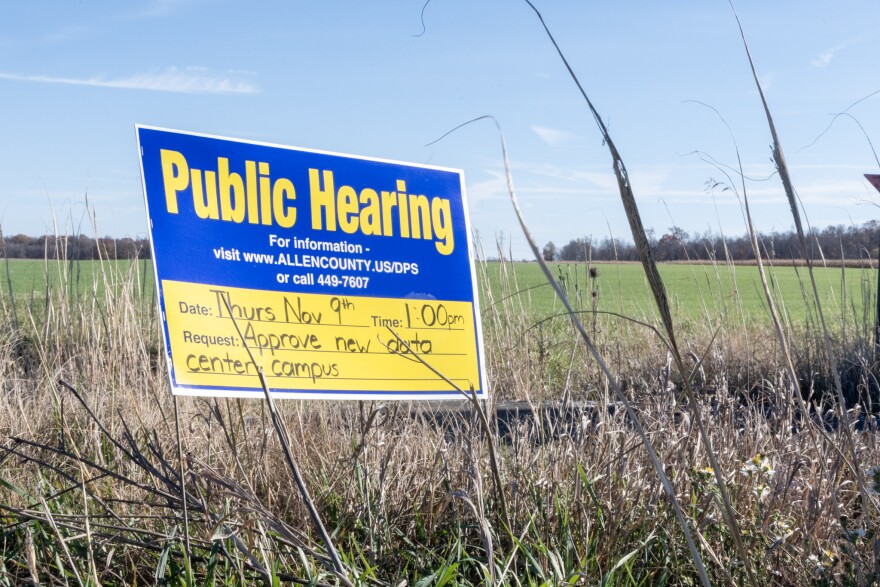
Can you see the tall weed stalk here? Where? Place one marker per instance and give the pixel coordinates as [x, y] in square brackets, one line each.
[868, 504]
[657, 288]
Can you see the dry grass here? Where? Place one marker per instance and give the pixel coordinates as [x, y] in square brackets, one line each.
[404, 497]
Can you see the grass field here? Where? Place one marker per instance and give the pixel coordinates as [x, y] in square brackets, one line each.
[698, 292]
[29, 278]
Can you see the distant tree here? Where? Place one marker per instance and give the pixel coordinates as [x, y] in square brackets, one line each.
[575, 250]
[679, 234]
[79, 247]
[672, 245]
[550, 252]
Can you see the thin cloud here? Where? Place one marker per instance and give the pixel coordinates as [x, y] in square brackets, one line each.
[552, 136]
[173, 79]
[767, 80]
[495, 187]
[825, 57]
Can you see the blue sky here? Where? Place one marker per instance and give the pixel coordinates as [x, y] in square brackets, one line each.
[359, 78]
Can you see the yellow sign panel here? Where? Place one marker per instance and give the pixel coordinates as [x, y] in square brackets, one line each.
[321, 342]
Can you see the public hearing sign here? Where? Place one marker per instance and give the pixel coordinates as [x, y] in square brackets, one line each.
[334, 270]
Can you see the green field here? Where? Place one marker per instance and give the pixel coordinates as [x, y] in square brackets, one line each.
[696, 291]
[27, 278]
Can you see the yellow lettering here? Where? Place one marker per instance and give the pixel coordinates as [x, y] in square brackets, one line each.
[250, 173]
[265, 195]
[402, 209]
[441, 220]
[371, 224]
[205, 204]
[389, 201]
[175, 176]
[420, 209]
[230, 182]
[322, 199]
[283, 190]
[347, 208]
[231, 197]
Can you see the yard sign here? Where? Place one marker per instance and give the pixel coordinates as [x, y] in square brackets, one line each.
[325, 262]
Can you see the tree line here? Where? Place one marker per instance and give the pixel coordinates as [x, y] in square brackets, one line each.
[75, 248]
[833, 242]
[676, 244]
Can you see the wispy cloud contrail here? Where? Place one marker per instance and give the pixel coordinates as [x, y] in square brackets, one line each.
[173, 79]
